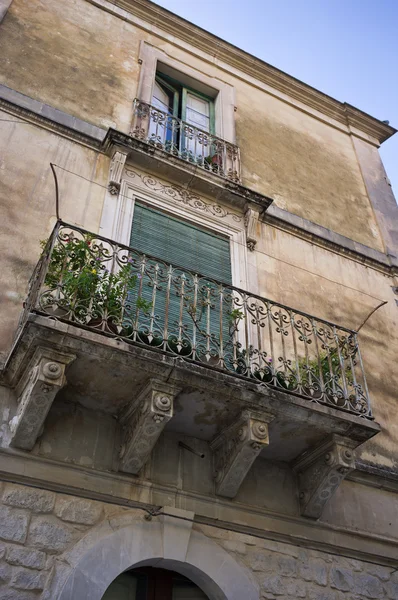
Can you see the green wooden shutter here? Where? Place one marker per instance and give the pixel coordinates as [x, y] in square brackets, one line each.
[196, 251]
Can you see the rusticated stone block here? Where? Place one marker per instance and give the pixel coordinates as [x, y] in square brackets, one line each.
[286, 566]
[13, 524]
[28, 579]
[7, 593]
[341, 579]
[314, 570]
[78, 510]
[26, 557]
[317, 594]
[392, 589]
[36, 500]
[50, 534]
[5, 572]
[369, 586]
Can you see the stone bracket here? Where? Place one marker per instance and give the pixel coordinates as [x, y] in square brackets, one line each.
[320, 473]
[252, 216]
[115, 171]
[143, 422]
[42, 379]
[236, 448]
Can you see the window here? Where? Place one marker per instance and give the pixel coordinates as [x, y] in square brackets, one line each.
[193, 138]
[153, 584]
[187, 311]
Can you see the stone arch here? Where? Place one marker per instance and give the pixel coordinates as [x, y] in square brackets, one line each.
[167, 542]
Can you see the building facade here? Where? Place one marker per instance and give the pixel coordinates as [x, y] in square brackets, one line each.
[198, 320]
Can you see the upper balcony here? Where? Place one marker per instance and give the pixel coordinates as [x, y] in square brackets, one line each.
[135, 334]
[183, 140]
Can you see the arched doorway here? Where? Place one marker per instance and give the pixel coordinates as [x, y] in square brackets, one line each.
[130, 542]
[150, 583]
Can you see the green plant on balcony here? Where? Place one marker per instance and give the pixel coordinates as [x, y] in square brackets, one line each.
[80, 287]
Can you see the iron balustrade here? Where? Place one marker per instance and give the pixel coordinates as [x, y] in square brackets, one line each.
[185, 141]
[95, 283]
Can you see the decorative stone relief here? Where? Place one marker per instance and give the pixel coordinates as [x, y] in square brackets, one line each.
[183, 196]
[43, 378]
[115, 172]
[143, 422]
[320, 473]
[236, 448]
[252, 215]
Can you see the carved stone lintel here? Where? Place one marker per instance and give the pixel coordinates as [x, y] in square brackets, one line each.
[115, 172]
[143, 422]
[43, 378]
[320, 473]
[236, 448]
[252, 215]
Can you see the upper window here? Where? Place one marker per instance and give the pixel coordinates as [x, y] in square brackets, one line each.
[186, 113]
[186, 123]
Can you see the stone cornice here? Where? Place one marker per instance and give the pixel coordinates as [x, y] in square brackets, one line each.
[222, 51]
[326, 238]
[54, 120]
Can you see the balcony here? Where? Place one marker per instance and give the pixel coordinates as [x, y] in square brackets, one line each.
[129, 334]
[182, 140]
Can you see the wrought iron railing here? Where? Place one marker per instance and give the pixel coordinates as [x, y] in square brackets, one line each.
[92, 282]
[181, 139]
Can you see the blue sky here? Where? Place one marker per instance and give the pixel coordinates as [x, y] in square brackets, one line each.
[345, 48]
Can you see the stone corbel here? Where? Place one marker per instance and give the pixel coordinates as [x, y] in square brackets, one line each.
[252, 215]
[320, 473]
[143, 422]
[115, 171]
[236, 448]
[43, 378]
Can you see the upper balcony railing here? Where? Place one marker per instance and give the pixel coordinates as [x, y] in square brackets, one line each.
[185, 141]
[95, 283]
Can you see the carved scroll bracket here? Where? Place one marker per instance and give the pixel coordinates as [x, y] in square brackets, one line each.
[43, 378]
[320, 473]
[143, 422]
[236, 448]
[115, 171]
[252, 216]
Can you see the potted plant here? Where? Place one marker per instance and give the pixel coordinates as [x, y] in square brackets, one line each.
[79, 286]
[213, 162]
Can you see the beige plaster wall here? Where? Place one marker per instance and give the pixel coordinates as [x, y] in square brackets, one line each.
[83, 60]
[317, 281]
[27, 204]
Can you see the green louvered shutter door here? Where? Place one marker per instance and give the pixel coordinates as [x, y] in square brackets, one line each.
[181, 244]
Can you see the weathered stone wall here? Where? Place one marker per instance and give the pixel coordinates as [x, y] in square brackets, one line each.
[83, 60]
[38, 530]
[27, 204]
[287, 572]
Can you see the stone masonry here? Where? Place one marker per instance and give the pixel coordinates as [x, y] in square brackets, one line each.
[37, 528]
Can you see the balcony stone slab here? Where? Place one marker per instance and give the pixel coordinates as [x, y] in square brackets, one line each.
[107, 373]
[187, 175]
